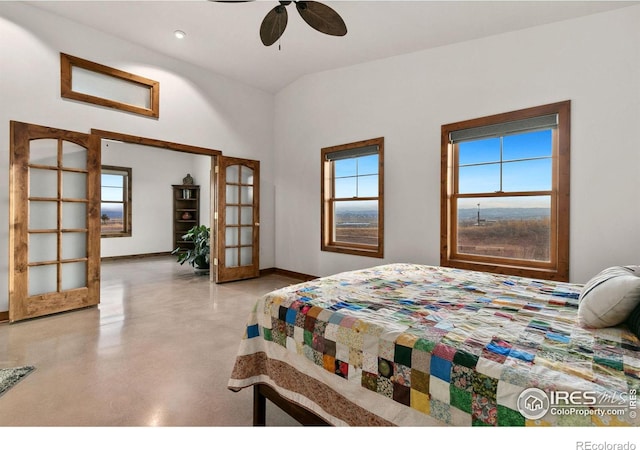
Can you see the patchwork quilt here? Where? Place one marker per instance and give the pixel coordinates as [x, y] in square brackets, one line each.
[416, 345]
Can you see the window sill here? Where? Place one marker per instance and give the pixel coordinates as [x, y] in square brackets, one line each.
[374, 253]
[514, 270]
[115, 235]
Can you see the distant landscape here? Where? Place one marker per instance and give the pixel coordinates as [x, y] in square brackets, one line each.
[111, 219]
[522, 233]
[357, 227]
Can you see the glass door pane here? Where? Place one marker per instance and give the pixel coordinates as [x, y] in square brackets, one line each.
[58, 183]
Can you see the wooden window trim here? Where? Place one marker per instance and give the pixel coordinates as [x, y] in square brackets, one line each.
[67, 62]
[127, 216]
[327, 200]
[558, 268]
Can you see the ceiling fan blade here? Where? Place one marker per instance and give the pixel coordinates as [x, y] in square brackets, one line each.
[322, 18]
[273, 25]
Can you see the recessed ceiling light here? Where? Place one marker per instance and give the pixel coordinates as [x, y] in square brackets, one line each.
[179, 34]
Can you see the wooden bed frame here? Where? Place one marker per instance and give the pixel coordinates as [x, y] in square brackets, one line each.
[263, 392]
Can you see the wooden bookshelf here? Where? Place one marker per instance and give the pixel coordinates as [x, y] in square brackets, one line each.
[186, 211]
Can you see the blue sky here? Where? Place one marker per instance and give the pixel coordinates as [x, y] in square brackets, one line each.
[526, 166]
[112, 189]
[356, 177]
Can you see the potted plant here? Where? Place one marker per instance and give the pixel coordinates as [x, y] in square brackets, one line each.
[196, 255]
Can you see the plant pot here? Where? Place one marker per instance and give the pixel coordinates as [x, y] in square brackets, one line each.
[200, 270]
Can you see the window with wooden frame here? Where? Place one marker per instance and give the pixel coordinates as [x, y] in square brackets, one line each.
[102, 85]
[505, 193]
[115, 206]
[352, 198]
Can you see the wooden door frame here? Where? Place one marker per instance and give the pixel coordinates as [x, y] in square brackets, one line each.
[184, 148]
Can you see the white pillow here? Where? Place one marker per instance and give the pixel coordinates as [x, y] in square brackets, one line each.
[609, 297]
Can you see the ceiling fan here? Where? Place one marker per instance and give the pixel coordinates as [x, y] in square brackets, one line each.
[319, 16]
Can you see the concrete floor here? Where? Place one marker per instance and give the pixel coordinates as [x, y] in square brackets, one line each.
[157, 351]
[149, 366]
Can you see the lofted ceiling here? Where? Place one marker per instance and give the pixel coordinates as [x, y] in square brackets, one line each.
[224, 37]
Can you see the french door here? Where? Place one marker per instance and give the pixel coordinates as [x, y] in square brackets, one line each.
[237, 219]
[54, 232]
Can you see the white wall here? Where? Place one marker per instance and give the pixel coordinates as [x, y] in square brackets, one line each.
[592, 61]
[196, 107]
[153, 171]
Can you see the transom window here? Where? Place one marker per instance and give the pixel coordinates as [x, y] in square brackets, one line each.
[115, 206]
[505, 198]
[352, 192]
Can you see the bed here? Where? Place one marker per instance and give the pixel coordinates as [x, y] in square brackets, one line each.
[417, 345]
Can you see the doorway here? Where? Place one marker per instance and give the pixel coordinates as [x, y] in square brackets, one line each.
[81, 273]
[234, 217]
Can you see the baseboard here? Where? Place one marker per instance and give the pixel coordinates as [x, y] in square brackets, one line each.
[287, 273]
[143, 255]
[4, 316]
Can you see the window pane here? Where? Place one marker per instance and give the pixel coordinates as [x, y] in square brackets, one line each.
[43, 247]
[353, 205]
[74, 245]
[43, 183]
[231, 257]
[112, 217]
[368, 186]
[480, 151]
[231, 216]
[43, 152]
[246, 215]
[109, 87]
[233, 174]
[231, 236]
[345, 167]
[74, 215]
[478, 179]
[232, 194]
[356, 222]
[73, 155]
[112, 180]
[346, 187]
[529, 175]
[246, 195]
[42, 279]
[527, 145]
[246, 175]
[43, 215]
[368, 165]
[246, 235]
[74, 275]
[505, 227]
[246, 256]
[115, 212]
[112, 194]
[74, 185]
